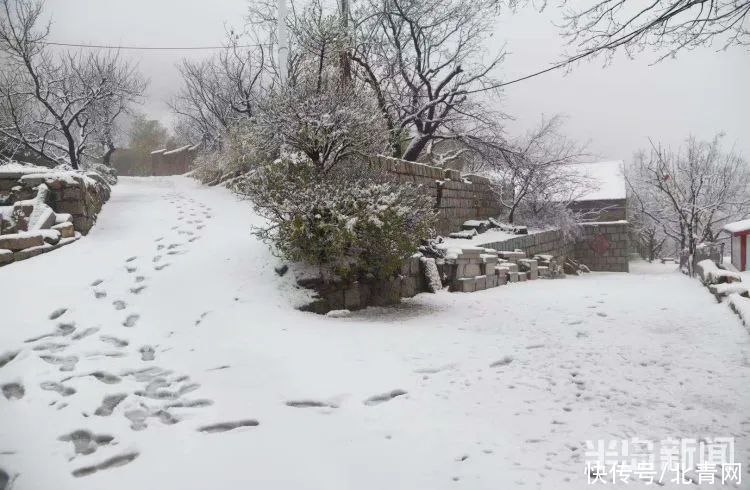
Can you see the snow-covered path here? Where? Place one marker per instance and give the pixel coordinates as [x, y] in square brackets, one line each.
[184, 367]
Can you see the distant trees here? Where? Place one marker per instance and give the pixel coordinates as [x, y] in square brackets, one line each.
[146, 135]
[62, 107]
[688, 194]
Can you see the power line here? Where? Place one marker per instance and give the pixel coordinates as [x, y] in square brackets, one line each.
[147, 48]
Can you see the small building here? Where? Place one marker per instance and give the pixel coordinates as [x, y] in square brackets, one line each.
[738, 231]
[603, 193]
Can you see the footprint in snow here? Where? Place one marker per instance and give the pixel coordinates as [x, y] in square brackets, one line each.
[131, 268]
[66, 363]
[131, 320]
[113, 462]
[147, 353]
[8, 356]
[137, 289]
[502, 362]
[227, 426]
[601, 313]
[310, 404]
[96, 283]
[57, 313]
[100, 293]
[85, 442]
[13, 391]
[119, 304]
[161, 266]
[114, 341]
[130, 259]
[384, 397]
[109, 403]
[85, 333]
[58, 388]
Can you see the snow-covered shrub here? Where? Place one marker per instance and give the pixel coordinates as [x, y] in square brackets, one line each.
[357, 223]
[328, 124]
[235, 156]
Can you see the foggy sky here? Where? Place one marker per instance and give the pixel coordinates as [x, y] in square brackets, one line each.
[615, 108]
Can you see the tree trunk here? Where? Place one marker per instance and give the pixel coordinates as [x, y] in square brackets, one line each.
[415, 148]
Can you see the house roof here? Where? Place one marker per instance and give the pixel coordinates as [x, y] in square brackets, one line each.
[607, 180]
[737, 226]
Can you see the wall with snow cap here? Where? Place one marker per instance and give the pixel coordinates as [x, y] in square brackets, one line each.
[79, 194]
[173, 162]
[550, 242]
[604, 246]
[457, 197]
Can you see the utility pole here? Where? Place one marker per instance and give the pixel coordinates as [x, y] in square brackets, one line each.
[346, 66]
[283, 54]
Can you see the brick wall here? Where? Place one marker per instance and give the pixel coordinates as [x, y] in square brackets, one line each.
[604, 246]
[457, 197]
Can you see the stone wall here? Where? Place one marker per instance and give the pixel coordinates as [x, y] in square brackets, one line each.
[457, 197]
[336, 295]
[601, 246]
[173, 162]
[81, 195]
[604, 246]
[549, 242]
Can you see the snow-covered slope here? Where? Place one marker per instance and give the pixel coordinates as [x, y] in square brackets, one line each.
[221, 385]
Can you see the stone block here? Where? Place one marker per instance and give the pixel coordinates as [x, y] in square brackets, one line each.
[513, 277]
[464, 285]
[66, 229]
[351, 297]
[512, 267]
[32, 251]
[21, 241]
[480, 283]
[6, 256]
[502, 278]
[522, 277]
[408, 286]
[491, 281]
[532, 275]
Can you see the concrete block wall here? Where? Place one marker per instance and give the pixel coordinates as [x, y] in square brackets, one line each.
[604, 246]
[457, 197]
[601, 246]
[546, 242]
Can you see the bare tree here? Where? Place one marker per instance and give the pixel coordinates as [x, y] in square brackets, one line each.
[218, 91]
[423, 60]
[533, 176]
[670, 25]
[691, 192]
[57, 102]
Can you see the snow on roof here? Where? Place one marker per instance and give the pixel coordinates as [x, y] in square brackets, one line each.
[737, 226]
[162, 150]
[607, 180]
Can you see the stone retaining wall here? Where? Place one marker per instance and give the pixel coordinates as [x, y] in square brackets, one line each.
[604, 246]
[601, 246]
[336, 295]
[79, 194]
[549, 242]
[457, 197]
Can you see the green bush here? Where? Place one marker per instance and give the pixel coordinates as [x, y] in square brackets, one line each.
[357, 223]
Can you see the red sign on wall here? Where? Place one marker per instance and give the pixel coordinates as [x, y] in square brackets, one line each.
[599, 244]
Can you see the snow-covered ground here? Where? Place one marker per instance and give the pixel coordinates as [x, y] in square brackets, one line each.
[221, 385]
